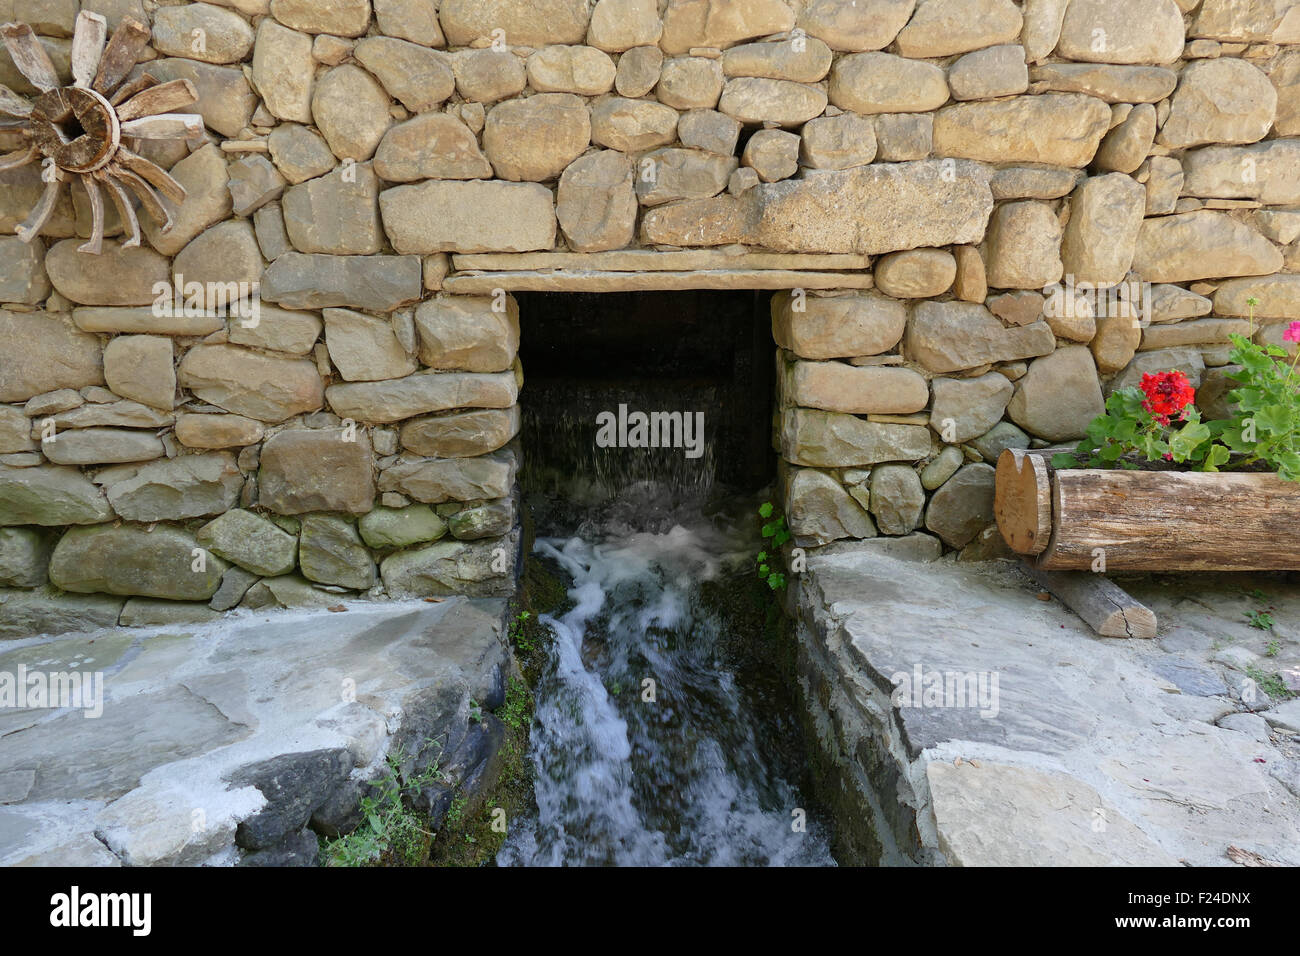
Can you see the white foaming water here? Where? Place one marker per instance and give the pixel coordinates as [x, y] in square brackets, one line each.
[679, 781]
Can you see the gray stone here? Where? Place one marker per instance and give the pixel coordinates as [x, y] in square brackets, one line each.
[317, 470]
[897, 498]
[710, 130]
[819, 510]
[950, 336]
[254, 182]
[335, 214]
[205, 179]
[834, 440]
[251, 542]
[188, 486]
[1190, 677]
[280, 330]
[388, 528]
[351, 111]
[118, 276]
[156, 612]
[226, 101]
[1185, 360]
[421, 393]
[450, 567]
[963, 505]
[668, 175]
[132, 560]
[468, 217]
[22, 271]
[299, 153]
[28, 613]
[265, 387]
[50, 495]
[45, 352]
[331, 552]
[490, 520]
[101, 446]
[997, 439]
[963, 409]
[25, 557]
[364, 348]
[434, 481]
[461, 434]
[417, 77]
[943, 467]
[1059, 395]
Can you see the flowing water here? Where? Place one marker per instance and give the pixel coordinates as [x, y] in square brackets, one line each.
[662, 734]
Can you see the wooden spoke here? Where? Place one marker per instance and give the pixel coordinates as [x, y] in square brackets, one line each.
[29, 56]
[11, 104]
[164, 126]
[17, 158]
[127, 90]
[158, 99]
[96, 243]
[30, 229]
[125, 208]
[87, 47]
[123, 51]
[148, 198]
[157, 177]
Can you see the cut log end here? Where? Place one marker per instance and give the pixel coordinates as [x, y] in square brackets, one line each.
[1022, 502]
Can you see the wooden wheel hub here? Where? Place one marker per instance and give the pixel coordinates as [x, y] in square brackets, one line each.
[75, 127]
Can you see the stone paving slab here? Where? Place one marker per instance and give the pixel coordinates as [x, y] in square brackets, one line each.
[1092, 751]
[184, 711]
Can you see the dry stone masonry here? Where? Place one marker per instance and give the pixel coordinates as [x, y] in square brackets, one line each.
[933, 189]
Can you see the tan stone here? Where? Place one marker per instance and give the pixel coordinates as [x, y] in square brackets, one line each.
[119, 276]
[534, 139]
[345, 18]
[1105, 216]
[632, 125]
[364, 348]
[681, 174]
[638, 71]
[1060, 129]
[618, 25]
[317, 470]
[1018, 308]
[1240, 20]
[571, 69]
[1059, 395]
[719, 220]
[773, 154]
[525, 22]
[1126, 146]
[1201, 245]
[445, 216]
[283, 71]
[204, 177]
[267, 388]
[1135, 31]
[417, 77]
[1114, 84]
[420, 394]
[819, 510]
[299, 153]
[414, 20]
[963, 409]
[944, 27]
[452, 479]
[1042, 30]
[902, 137]
[971, 284]
[916, 274]
[336, 214]
[721, 23]
[1219, 101]
[805, 62]
[101, 446]
[838, 142]
[280, 330]
[839, 387]
[596, 203]
[468, 333]
[1277, 297]
[485, 76]
[816, 327]
[217, 431]
[1023, 246]
[868, 83]
[461, 434]
[1033, 182]
[1164, 184]
[226, 36]
[140, 367]
[690, 83]
[1194, 332]
[1116, 341]
[824, 439]
[431, 146]
[351, 111]
[989, 73]
[1268, 172]
[754, 100]
[45, 352]
[854, 26]
[950, 336]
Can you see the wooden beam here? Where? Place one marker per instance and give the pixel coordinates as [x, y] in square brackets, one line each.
[486, 283]
[1101, 603]
[1022, 501]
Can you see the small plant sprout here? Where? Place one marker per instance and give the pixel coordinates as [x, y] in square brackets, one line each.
[775, 531]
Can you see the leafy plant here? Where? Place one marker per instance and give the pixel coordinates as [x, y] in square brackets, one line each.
[775, 531]
[517, 711]
[389, 830]
[1271, 684]
[519, 632]
[1260, 619]
[1273, 649]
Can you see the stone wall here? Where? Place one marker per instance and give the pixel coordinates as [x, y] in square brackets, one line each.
[914, 176]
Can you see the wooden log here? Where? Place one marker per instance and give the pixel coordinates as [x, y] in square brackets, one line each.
[95, 245]
[30, 229]
[11, 104]
[127, 90]
[1100, 603]
[87, 46]
[1022, 502]
[125, 208]
[120, 56]
[164, 98]
[20, 157]
[155, 175]
[1151, 520]
[148, 198]
[164, 126]
[29, 56]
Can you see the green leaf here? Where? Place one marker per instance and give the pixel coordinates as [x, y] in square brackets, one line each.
[765, 510]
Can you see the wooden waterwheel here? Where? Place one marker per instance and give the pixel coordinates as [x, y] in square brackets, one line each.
[84, 132]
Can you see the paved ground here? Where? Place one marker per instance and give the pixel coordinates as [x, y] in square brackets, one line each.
[1092, 750]
[195, 720]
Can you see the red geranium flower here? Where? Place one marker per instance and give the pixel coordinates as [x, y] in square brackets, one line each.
[1167, 394]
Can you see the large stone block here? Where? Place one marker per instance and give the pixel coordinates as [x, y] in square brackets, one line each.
[927, 203]
[418, 78]
[25, 557]
[943, 27]
[461, 434]
[949, 336]
[268, 388]
[1061, 129]
[963, 505]
[164, 562]
[431, 146]
[1201, 245]
[250, 541]
[175, 489]
[1268, 172]
[1219, 101]
[50, 495]
[1023, 246]
[1105, 216]
[44, 352]
[820, 511]
[284, 71]
[867, 83]
[335, 214]
[365, 348]
[721, 23]
[350, 109]
[434, 481]
[870, 389]
[1059, 396]
[331, 552]
[118, 276]
[1135, 31]
[141, 368]
[825, 327]
[756, 100]
[596, 202]
[421, 393]
[468, 333]
[525, 22]
[632, 125]
[854, 26]
[328, 469]
[22, 271]
[534, 139]
[374, 283]
[468, 217]
[475, 568]
[834, 440]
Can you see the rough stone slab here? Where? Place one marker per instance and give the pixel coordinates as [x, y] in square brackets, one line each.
[374, 283]
[446, 216]
[328, 469]
[131, 560]
[451, 567]
[648, 260]
[26, 612]
[421, 393]
[633, 282]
